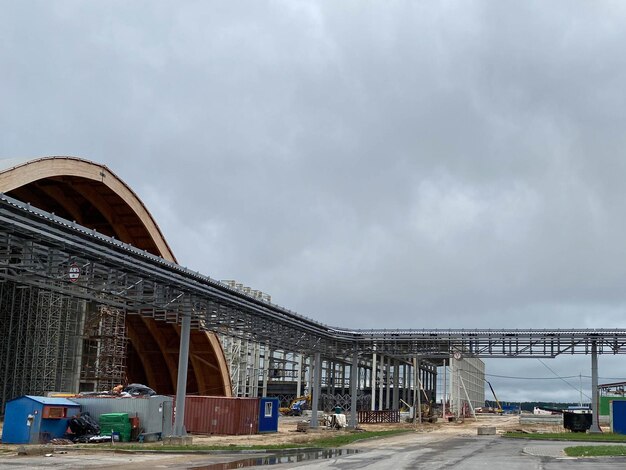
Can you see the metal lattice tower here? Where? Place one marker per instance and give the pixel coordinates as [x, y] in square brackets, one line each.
[104, 348]
[38, 340]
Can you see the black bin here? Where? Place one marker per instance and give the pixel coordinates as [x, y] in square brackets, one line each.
[577, 422]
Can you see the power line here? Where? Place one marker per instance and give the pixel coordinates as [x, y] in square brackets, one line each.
[532, 378]
[562, 379]
[553, 378]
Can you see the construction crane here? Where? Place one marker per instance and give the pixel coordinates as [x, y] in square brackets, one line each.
[499, 406]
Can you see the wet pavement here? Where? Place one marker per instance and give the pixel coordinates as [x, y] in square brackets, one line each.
[413, 450]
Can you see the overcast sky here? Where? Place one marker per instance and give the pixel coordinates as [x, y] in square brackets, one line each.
[437, 164]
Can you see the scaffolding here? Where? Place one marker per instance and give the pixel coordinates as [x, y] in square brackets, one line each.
[38, 341]
[54, 342]
[244, 364]
[104, 348]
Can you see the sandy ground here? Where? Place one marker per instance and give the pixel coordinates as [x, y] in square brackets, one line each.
[287, 431]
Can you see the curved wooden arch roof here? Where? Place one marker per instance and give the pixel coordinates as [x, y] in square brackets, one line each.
[93, 196]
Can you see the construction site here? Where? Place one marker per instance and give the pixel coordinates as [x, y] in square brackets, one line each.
[92, 301]
[55, 338]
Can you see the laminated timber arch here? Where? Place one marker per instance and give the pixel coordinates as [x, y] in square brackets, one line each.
[93, 196]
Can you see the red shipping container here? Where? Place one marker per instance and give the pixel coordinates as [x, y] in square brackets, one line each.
[221, 415]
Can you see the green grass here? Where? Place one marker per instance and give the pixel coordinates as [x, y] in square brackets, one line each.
[595, 451]
[569, 436]
[323, 442]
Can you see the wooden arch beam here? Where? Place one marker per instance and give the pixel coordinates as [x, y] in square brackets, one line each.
[17, 175]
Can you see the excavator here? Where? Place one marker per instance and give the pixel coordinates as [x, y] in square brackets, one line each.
[296, 406]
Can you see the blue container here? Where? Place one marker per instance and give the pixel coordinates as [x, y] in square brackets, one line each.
[618, 416]
[268, 415]
[32, 420]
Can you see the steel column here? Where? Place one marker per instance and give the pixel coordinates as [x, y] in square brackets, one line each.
[317, 382]
[381, 404]
[181, 386]
[299, 379]
[354, 382]
[373, 382]
[595, 410]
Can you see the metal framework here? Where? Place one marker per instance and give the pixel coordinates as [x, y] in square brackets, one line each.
[37, 249]
[104, 348]
[46, 261]
[38, 335]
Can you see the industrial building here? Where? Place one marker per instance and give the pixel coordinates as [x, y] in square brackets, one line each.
[91, 296]
[50, 341]
[54, 340]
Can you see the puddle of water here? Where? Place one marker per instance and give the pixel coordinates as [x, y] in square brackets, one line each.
[275, 459]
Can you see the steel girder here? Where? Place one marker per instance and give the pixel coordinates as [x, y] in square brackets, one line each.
[37, 249]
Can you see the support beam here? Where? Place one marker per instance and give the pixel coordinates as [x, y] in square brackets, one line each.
[396, 385]
[418, 385]
[445, 391]
[299, 375]
[354, 387]
[469, 402]
[317, 381]
[388, 385]
[381, 383]
[373, 382]
[181, 386]
[266, 368]
[595, 409]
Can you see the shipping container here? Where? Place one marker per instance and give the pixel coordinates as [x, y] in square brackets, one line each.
[221, 415]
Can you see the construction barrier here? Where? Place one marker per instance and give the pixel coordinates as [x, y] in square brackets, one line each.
[382, 416]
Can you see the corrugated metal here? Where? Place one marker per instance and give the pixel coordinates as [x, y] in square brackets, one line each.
[155, 413]
[221, 415]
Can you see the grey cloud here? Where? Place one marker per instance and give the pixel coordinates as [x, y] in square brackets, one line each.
[421, 165]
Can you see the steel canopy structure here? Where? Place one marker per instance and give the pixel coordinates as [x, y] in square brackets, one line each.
[97, 346]
[37, 248]
[41, 250]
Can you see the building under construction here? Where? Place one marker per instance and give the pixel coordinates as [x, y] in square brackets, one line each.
[52, 341]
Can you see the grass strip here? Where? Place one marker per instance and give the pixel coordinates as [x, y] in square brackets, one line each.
[322, 442]
[568, 436]
[596, 451]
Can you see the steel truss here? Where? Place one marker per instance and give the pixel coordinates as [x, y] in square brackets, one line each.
[104, 348]
[39, 333]
[37, 249]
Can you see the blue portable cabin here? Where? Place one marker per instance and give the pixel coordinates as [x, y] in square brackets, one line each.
[618, 416]
[32, 420]
[268, 414]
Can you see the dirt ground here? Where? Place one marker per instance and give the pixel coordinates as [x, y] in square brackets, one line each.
[287, 433]
[287, 430]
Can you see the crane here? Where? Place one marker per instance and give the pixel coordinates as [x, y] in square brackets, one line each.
[499, 409]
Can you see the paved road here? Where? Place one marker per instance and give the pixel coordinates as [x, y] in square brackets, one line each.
[413, 451]
[462, 453]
